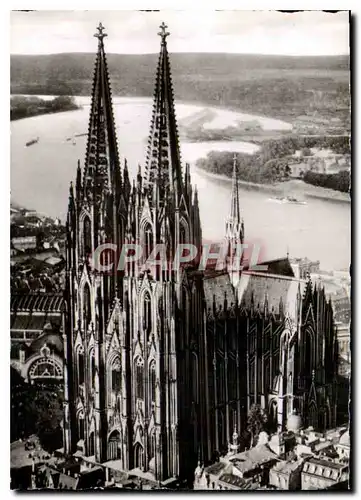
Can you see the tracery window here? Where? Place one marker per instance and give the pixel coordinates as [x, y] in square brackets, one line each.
[87, 236]
[147, 313]
[148, 240]
[86, 306]
[139, 378]
[80, 366]
[92, 370]
[152, 382]
[116, 376]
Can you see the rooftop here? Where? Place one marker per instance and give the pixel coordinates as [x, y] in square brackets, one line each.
[287, 466]
[257, 287]
[250, 459]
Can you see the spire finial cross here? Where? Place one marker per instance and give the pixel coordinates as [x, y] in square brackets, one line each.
[163, 33]
[100, 35]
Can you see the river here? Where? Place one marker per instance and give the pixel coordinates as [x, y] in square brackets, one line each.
[40, 177]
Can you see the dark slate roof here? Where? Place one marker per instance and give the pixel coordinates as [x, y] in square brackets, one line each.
[280, 267]
[42, 302]
[217, 288]
[215, 468]
[260, 287]
[52, 340]
[232, 479]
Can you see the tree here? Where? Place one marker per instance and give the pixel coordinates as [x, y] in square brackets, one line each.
[36, 409]
[256, 422]
[306, 152]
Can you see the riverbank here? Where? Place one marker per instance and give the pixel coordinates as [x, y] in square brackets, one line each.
[287, 188]
[27, 106]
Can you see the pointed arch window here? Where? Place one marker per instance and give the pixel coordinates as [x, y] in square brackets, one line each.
[116, 376]
[273, 414]
[308, 352]
[91, 444]
[147, 313]
[138, 456]
[313, 416]
[182, 234]
[148, 240]
[152, 446]
[114, 446]
[87, 235]
[139, 378]
[92, 369]
[86, 306]
[80, 366]
[152, 382]
[81, 432]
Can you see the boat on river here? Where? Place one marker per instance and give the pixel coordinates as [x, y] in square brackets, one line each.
[288, 199]
[33, 141]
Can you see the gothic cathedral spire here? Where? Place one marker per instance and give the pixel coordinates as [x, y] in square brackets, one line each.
[234, 223]
[163, 165]
[234, 229]
[101, 170]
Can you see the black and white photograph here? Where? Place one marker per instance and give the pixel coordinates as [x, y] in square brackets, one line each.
[180, 250]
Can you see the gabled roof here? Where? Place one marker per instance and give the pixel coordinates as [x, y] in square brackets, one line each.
[252, 458]
[255, 288]
[279, 266]
[217, 288]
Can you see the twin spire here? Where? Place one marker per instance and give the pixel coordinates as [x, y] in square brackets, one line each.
[163, 171]
[163, 165]
[101, 170]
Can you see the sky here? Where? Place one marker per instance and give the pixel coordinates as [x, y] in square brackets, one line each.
[134, 32]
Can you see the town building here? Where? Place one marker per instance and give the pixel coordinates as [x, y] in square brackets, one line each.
[286, 475]
[162, 364]
[320, 474]
[36, 330]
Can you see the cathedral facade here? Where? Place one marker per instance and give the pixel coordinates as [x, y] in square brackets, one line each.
[162, 364]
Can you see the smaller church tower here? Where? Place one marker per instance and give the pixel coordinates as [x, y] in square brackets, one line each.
[234, 231]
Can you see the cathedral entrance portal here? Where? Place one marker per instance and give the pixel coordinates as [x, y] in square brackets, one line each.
[138, 456]
[114, 444]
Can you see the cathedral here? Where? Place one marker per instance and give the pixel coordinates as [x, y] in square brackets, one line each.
[162, 365]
